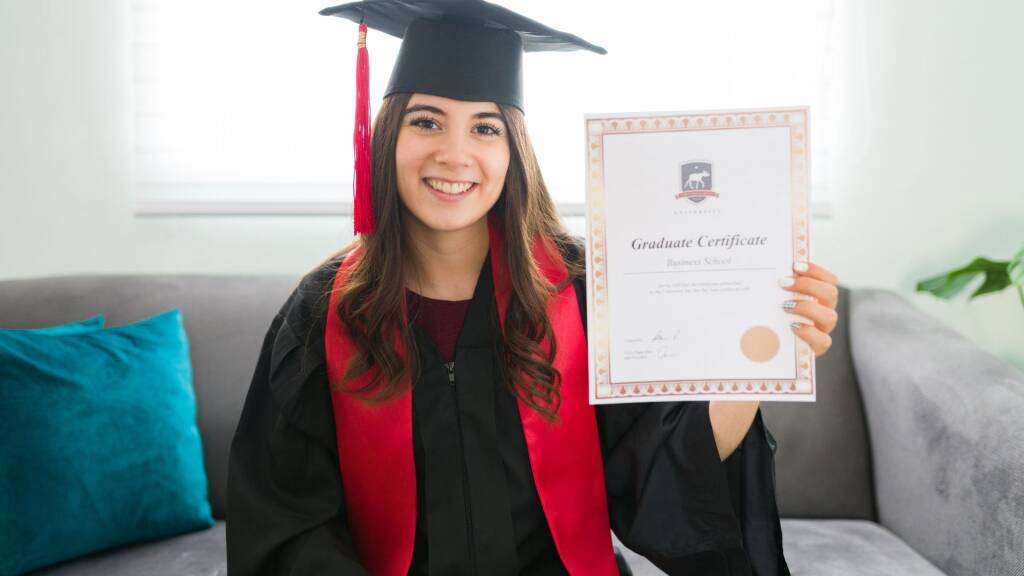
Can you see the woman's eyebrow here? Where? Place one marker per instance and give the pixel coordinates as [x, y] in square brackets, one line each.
[439, 112]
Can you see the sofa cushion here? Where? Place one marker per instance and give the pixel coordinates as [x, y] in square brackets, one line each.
[200, 553]
[849, 548]
[832, 548]
[99, 431]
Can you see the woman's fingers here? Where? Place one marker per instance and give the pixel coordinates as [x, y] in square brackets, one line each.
[819, 341]
[819, 272]
[826, 293]
[823, 317]
[818, 313]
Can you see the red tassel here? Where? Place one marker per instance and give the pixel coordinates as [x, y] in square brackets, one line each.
[362, 183]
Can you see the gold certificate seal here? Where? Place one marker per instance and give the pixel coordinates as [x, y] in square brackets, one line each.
[759, 343]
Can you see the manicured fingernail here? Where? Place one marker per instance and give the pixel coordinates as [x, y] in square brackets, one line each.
[789, 304]
[786, 281]
[795, 325]
[800, 266]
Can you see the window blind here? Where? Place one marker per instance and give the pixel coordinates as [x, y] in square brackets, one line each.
[247, 107]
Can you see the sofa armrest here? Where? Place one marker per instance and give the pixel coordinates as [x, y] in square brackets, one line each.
[946, 426]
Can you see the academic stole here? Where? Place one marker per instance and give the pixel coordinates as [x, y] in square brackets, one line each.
[375, 450]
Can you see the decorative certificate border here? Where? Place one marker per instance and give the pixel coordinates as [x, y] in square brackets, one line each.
[800, 388]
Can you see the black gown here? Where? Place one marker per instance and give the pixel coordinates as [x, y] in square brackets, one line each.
[670, 497]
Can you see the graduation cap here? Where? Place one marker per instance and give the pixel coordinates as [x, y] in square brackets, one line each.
[460, 49]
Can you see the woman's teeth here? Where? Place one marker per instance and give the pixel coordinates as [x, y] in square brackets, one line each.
[447, 187]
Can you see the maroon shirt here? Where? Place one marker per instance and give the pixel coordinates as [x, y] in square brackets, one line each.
[440, 319]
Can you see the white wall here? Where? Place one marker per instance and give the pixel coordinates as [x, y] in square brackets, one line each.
[927, 177]
[930, 173]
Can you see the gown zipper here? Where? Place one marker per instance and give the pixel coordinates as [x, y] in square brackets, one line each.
[465, 470]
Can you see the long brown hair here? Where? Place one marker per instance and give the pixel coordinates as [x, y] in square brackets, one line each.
[370, 304]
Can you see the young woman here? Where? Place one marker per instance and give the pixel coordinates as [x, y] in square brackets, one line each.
[420, 403]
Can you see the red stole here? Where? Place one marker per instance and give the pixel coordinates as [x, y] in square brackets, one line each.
[375, 449]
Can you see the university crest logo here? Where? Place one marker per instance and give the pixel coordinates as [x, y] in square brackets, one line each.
[696, 182]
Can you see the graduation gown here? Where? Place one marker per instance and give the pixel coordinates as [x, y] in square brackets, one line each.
[669, 496]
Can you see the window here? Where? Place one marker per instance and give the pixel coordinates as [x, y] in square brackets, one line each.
[247, 107]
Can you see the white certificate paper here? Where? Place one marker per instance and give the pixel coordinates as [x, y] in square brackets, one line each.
[692, 218]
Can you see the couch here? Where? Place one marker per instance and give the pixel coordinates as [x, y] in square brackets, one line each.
[910, 462]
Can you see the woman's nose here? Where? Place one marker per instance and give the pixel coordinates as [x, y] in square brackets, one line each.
[454, 149]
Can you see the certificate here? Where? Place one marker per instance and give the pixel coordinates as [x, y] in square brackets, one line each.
[692, 218]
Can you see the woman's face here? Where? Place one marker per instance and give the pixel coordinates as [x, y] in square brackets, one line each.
[451, 158]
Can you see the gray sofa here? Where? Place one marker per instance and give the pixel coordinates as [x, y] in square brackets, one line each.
[910, 462]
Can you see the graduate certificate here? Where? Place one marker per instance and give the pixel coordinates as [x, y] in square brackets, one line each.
[692, 218]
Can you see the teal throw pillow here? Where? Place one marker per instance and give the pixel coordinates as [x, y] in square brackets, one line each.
[99, 445]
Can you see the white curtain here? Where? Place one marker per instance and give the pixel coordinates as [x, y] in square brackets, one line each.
[248, 106]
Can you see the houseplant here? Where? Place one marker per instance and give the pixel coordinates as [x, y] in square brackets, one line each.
[998, 275]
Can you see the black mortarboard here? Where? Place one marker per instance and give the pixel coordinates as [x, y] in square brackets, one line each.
[461, 49]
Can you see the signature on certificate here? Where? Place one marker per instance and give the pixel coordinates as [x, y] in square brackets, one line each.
[657, 346]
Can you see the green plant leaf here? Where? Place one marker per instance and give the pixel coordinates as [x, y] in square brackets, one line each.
[1015, 272]
[951, 283]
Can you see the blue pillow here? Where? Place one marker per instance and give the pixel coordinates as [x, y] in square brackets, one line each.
[87, 325]
[98, 441]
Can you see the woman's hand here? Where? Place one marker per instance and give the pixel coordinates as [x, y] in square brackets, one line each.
[822, 286]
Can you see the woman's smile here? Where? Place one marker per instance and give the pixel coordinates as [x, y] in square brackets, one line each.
[450, 190]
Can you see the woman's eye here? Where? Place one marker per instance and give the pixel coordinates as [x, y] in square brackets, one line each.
[423, 122]
[490, 130]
